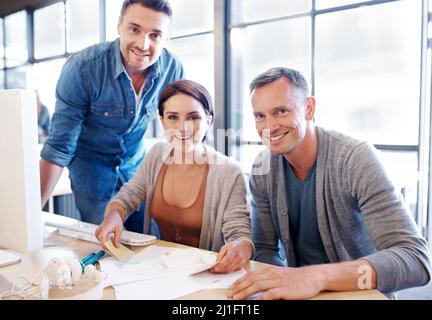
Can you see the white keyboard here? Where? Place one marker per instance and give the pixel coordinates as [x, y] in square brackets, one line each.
[86, 231]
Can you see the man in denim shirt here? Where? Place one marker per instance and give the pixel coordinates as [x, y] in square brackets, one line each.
[106, 96]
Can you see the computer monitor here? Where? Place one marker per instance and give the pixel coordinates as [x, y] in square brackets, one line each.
[21, 227]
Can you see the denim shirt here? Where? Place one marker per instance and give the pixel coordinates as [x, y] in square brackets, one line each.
[97, 130]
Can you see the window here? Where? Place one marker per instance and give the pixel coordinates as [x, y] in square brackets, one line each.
[252, 10]
[44, 77]
[16, 39]
[192, 39]
[363, 65]
[402, 169]
[113, 8]
[2, 79]
[49, 31]
[256, 48]
[368, 80]
[1, 45]
[82, 24]
[196, 55]
[324, 4]
[17, 78]
[185, 22]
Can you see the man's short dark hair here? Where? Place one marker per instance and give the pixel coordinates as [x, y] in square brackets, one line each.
[156, 5]
[294, 77]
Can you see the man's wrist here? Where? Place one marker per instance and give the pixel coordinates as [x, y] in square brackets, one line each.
[320, 276]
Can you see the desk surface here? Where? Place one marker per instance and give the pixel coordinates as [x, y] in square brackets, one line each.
[57, 246]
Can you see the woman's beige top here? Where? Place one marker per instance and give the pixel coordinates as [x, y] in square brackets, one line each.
[177, 224]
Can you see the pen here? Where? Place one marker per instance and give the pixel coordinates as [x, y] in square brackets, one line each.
[91, 258]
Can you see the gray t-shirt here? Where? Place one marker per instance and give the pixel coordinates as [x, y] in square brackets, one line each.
[303, 223]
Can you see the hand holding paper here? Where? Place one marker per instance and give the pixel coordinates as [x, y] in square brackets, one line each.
[122, 253]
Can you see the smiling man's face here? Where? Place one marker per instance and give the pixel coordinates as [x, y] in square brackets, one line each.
[143, 34]
[280, 115]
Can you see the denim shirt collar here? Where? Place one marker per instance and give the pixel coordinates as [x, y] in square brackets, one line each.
[119, 68]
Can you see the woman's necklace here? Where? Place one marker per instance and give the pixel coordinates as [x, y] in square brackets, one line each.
[175, 214]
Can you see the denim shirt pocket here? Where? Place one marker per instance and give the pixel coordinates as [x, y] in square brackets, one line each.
[107, 111]
[109, 117]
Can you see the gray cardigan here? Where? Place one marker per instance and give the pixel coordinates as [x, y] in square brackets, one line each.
[226, 217]
[360, 214]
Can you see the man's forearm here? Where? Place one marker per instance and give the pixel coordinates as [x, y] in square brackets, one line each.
[49, 175]
[346, 276]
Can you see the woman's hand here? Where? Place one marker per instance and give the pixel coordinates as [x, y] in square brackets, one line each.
[112, 223]
[233, 256]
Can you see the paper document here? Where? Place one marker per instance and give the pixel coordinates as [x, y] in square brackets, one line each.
[119, 273]
[164, 273]
[150, 253]
[160, 260]
[173, 287]
[210, 280]
[157, 289]
[191, 260]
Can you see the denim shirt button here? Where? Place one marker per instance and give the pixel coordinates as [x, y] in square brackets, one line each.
[131, 112]
[284, 212]
[106, 114]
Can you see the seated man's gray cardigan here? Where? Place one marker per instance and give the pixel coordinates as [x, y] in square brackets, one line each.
[225, 217]
[360, 214]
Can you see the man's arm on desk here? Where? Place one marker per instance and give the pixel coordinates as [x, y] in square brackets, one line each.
[305, 282]
[49, 175]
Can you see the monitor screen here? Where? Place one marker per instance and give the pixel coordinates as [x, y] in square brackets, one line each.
[20, 206]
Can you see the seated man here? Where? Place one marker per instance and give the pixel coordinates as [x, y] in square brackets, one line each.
[327, 199]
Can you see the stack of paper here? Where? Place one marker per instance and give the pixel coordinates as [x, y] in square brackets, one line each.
[164, 273]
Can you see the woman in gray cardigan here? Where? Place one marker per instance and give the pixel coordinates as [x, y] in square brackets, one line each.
[194, 194]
